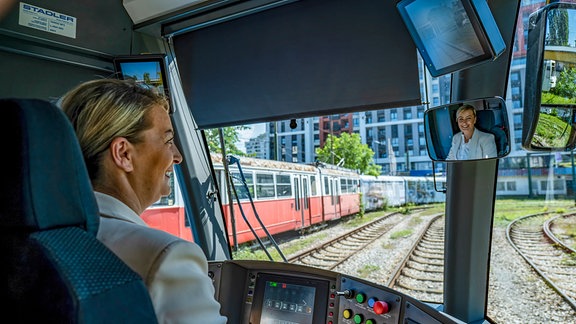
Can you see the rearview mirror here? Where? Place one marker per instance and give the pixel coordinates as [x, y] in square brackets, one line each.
[550, 98]
[468, 130]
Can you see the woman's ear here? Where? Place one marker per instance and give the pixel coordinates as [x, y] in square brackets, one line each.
[121, 150]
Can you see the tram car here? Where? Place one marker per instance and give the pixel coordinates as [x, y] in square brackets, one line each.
[381, 191]
[283, 196]
[425, 189]
[268, 198]
[393, 191]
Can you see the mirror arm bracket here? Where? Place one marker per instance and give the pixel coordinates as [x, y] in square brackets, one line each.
[442, 190]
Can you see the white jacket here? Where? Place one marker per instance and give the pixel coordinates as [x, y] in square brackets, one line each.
[174, 270]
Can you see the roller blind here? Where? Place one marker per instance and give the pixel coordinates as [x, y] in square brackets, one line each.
[307, 58]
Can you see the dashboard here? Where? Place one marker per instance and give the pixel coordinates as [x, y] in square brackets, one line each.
[264, 292]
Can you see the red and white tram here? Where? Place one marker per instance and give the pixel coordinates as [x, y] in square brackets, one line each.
[279, 196]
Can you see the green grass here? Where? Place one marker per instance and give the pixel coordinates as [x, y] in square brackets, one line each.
[507, 210]
[366, 270]
[256, 253]
[434, 209]
[551, 131]
[570, 260]
[401, 234]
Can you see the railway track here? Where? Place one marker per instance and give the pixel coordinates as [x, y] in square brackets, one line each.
[421, 273]
[534, 239]
[334, 252]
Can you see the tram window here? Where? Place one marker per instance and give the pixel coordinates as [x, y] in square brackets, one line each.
[305, 193]
[313, 184]
[283, 186]
[264, 185]
[240, 188]
[326, 186]
[556, 185]
[343, 186]
[353, 185]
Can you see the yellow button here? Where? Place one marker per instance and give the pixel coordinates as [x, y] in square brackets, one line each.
[347, 313]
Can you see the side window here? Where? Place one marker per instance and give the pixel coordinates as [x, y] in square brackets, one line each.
[264, 185]
[240, 188]
[283, 186]
[326, 186]
[313, 184]
[343, 185]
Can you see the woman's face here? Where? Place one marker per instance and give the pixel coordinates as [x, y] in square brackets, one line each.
[466, 120]
[156, 155]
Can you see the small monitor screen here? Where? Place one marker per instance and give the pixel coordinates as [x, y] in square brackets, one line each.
[451, 35]
[289, 300]
[147, 70]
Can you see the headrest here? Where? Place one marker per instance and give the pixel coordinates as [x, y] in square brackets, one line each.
[45, 183]
[485, 120]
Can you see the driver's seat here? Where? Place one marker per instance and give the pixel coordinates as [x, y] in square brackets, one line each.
[486, 123]
[53, 269]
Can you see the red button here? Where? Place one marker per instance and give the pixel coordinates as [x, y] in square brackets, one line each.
[381, 307]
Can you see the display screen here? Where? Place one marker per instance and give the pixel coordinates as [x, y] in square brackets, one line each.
[289, 300]
[449, 34]
[148, 70]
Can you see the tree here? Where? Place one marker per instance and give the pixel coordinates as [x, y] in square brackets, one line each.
[146, 77]
[566, 84]
[230, 139]
[558, 28]
[349, 152]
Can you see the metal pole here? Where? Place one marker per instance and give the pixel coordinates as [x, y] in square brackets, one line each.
[407, 157]
[573, 177]
[276, 141]
[331, 140]
[529, 175]
[228, 190]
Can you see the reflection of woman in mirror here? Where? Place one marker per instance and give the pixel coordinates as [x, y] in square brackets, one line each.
[470, 143]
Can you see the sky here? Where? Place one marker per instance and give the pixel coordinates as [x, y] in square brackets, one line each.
[246, 135]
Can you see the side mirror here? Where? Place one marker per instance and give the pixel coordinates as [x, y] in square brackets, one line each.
[468, 130]
[549, 119]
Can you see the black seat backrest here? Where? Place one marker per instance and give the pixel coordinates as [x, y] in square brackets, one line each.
[485, 121]
[52, 267]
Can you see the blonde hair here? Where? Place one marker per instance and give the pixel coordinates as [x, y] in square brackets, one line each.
[104, 109]
[465, 107]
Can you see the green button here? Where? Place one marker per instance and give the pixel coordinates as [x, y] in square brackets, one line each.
[360, 298]
[358, 318]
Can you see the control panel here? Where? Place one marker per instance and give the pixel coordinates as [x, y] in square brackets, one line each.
[363, 303]
[255, 292]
